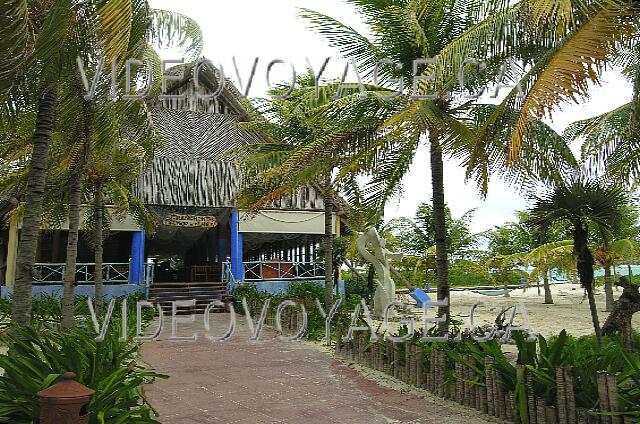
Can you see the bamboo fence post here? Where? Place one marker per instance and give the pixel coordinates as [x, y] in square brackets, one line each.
[396, 359]
[484, 400]
[541, 411]
[379, 357]
[604, 397]
[374, 356]
[582, 415]
[614, 406]
[552, 417]
[407, 362]
[456, 383]
[491, 409]
[509, 399]
[531, 398]
[419, 366]
[384, 351]
[471, 399]
[338, 343]
[501, 405]
[413, 364]
[443, 374]
[431, 372]
[562, 397]
[352, 348]
[570, 395]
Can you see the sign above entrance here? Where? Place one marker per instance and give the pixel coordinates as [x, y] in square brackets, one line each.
[191, 221]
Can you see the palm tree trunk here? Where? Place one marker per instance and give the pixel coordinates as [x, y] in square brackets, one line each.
[98, 249]
[585, 272]
[548, 299]
[440, 225]
[608, 289]
[21, 305]
[327, 241]
[75, 199]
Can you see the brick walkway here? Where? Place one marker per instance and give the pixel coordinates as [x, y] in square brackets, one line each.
[274, 381]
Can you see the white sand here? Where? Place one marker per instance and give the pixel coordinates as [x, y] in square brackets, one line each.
[568, 311]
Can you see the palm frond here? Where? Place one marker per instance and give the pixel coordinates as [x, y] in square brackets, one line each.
[15, 42]
[174, 30]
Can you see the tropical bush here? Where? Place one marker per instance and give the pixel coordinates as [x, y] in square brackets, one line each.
[38, 358]
[301, 292]
[465, 273]
[541, 358]
[357, 285]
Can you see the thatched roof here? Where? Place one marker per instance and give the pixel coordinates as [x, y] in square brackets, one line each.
[192, 168]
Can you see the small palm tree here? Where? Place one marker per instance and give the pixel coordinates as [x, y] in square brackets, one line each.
[544, 258]
[582, 203]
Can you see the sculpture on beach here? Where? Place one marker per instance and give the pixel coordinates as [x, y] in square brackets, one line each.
[372, 249]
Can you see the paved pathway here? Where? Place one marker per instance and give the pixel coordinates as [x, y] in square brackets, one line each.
[274, 381]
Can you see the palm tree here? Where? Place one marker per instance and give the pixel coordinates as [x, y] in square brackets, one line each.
[581, 203]
[406, 31]
[49, 37]
[110, 173]
[544, 258]
[560, 47]
[62, 32]
[302, 147]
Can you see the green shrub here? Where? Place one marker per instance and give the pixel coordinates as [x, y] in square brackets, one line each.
[511, 276]
[465, 273]
[356, 285]
[38, 358]
[307, 290]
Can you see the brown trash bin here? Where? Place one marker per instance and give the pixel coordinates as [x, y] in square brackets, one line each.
[66, 402]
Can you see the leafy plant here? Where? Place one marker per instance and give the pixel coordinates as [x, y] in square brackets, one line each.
[38, 358]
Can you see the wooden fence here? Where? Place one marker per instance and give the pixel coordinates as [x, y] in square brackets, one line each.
[410, 363]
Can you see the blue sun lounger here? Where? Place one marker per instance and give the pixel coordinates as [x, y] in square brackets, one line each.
[422, 299]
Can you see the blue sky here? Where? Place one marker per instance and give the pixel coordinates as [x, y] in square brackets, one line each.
[271, 30]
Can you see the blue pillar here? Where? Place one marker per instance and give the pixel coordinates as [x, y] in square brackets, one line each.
[136, 273]
[236, 247]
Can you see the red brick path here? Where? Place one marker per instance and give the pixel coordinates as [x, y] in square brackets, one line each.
[274, 381]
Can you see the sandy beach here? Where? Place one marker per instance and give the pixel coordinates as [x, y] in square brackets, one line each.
[569, 311]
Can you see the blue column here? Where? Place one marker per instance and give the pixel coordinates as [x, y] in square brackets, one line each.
[136, 272]
[236, 247]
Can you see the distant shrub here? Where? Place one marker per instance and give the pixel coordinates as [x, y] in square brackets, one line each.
[465, 273]
[356, 285]
[308, 290]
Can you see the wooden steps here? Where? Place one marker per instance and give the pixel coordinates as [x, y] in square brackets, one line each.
[202, 292]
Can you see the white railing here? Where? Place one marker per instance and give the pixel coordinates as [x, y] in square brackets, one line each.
[277, 270]
[112, 273]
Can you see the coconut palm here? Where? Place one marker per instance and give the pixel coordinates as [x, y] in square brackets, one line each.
[406, 31]
[110, 173]
[303, 147]
[559, 48]
[56, 32]
[582, 203]
[544, 258]
[62, 32]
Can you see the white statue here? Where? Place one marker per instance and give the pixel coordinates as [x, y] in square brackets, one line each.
[380, 259]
